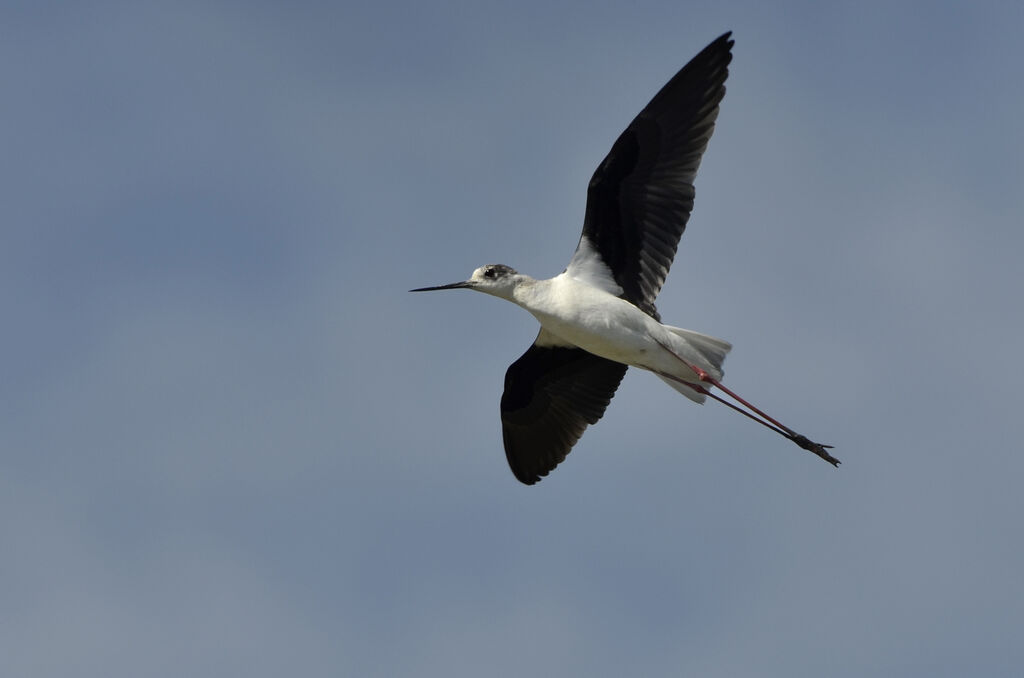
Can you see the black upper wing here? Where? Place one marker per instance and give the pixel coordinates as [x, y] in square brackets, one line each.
[640, 197]
[551, 394]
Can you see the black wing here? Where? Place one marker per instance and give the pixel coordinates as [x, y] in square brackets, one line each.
[640, 197]
[551, 394]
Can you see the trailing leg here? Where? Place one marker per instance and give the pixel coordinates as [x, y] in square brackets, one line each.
[762, 418]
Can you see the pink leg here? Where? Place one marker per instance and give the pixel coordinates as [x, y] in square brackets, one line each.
[775, 425]
[700, 389]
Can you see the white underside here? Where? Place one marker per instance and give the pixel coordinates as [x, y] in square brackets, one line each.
[575, 313]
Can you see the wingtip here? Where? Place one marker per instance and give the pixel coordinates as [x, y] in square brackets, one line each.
[725, 38]
[528, 480]
[724, 44]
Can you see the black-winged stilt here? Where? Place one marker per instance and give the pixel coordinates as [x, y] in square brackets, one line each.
[598, 316]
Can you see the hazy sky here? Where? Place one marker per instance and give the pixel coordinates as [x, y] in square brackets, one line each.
[232, 444]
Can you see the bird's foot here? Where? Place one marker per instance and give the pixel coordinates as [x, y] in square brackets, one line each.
[816, 448]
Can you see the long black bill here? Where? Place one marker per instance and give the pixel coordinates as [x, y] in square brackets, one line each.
[451, 286]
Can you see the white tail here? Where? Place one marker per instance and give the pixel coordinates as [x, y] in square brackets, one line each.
[712, 349]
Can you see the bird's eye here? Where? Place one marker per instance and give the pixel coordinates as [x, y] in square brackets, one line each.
[489, 273]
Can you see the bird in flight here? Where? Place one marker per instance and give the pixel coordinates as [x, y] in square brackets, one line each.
[598, 316]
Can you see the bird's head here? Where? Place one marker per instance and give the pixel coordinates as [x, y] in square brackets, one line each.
[495, 279]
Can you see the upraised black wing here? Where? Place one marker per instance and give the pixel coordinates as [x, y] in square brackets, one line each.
[640, 197]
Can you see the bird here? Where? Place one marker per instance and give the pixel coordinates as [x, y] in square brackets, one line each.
[598, 316]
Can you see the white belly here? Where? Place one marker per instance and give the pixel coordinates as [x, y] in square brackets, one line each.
[599, 323]
[612, 328]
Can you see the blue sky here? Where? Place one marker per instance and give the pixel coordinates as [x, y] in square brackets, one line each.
[233, 444]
